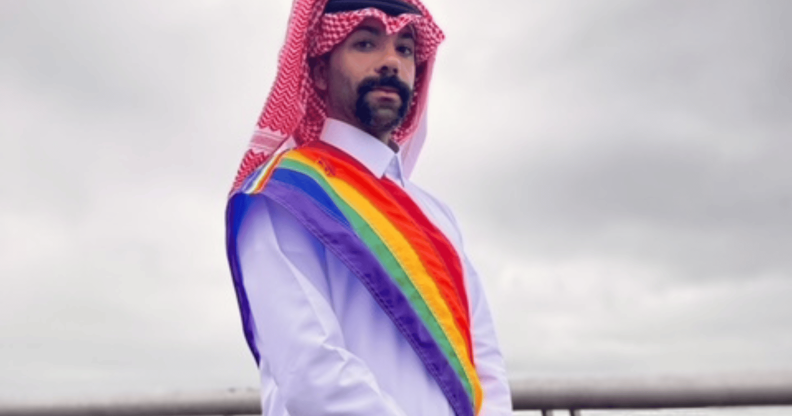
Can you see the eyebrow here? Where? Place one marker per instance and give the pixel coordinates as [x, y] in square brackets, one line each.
[410, 34]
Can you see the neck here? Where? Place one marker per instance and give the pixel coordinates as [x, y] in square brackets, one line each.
[382, 135]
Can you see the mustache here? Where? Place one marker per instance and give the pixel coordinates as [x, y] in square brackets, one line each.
[391, 81]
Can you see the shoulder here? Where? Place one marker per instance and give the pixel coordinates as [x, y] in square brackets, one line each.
[255, 222]
[279, 191]
[246, 202]
[256, 181]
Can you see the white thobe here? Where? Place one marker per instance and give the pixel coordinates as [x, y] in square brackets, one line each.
[326, 346]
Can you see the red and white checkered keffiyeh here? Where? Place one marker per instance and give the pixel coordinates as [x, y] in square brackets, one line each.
[294, 112]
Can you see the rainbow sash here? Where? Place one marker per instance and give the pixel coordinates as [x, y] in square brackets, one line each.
[375, 228]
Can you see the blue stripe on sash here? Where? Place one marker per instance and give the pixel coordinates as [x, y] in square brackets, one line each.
[309, 186]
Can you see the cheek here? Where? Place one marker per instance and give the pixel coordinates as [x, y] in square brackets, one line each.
[351, 72]
[408, 69]
[341, 82]
[410, 79]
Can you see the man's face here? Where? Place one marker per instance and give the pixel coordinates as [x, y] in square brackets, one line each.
[368, 79]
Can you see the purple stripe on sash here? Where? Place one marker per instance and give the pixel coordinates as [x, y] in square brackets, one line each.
[235, 211]
[353, 252]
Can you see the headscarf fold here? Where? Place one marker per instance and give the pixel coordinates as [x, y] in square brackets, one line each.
[295, 113]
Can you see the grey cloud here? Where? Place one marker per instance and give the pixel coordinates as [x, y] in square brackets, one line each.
[646, 141]
[126, 85]
[676, 329]
[659, 134]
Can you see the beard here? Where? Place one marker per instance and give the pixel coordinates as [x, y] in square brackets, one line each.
[369, 116]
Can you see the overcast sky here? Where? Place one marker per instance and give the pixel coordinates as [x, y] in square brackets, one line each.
[620, 170]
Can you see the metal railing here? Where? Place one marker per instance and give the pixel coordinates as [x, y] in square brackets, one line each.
[652, 392]
[544, 395]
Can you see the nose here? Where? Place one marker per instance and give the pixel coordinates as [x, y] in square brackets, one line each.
[390, 64]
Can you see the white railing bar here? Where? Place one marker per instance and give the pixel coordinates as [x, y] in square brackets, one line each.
[231, 402]
[528, 394]
[773, 389]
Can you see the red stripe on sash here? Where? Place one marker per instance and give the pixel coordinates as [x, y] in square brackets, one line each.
[443, 247]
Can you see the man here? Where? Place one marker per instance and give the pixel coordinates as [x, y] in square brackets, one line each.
[356, 296]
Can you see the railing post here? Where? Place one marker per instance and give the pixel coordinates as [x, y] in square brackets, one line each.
[547, 412]
[574, 412]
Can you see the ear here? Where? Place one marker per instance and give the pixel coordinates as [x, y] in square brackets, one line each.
[319, 74]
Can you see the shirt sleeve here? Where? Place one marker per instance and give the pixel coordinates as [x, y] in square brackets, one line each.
[489, 360]
[296, 332]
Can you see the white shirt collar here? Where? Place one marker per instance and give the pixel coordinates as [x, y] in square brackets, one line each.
[375, 155]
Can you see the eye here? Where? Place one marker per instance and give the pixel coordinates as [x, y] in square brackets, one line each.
[364, 45]
[405, 50]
